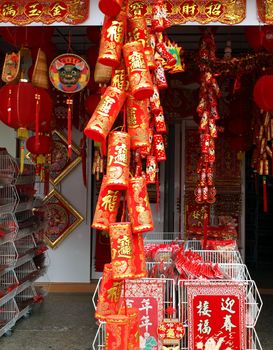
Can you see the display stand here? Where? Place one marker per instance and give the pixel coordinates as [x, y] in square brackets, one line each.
[22, 251]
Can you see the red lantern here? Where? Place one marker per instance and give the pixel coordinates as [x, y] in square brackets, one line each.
[110, 7]
[109, 294]
[268, 38]
[121, 250]
[254, 35]
[263, 93]
[117, 332]
[118, 161]
[43, 146]
[107, 207]
[139, 206]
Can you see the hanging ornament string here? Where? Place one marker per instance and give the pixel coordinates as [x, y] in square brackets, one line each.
[9, 107]
[37, 113]
[69, 48]
[69, 103]
[265, 205]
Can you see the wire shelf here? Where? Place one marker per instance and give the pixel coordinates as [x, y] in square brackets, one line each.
[8, 227]
[8, 199]
[8, 285]
[25, 245]
[8, 316]
[8, 169]
[26, 271]
[163, 237]
[8, 255]
[27, 297]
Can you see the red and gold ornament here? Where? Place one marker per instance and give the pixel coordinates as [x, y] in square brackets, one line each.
[159, 148]
[160, 125]
[117, 332]
[151, 169]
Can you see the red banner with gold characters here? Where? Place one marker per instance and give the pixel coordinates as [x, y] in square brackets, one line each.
[201, 11]
[217, 315]
[22, 12]
[265, 10]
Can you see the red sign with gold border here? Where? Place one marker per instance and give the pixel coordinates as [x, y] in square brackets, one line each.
[23, 12]
[217, 315]
[201, 11]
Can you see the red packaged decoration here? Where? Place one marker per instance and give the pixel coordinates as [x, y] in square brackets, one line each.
[157, 17]
[151, 169]
[137, 122]
[160, 125]
[110, 7]
[139, 209]
[149, 55]
[155, 100]
[205, 140]
[165, 54]
[117, 332]
[121, 250]
[170, 331]
[137, 29]
[160, 78]
[112, 37]
[137, 70]
[118, 160]
[139, 261]
[134, 322]
[109, 295]
[146, 150]
[159, 148]
[107, 207]
[105, 115]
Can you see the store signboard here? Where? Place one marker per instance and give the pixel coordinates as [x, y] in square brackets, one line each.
[216, 315]
[23, 12]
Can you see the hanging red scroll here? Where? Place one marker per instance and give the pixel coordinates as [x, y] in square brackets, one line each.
[22, 12]
[265, 11]
[201, 11]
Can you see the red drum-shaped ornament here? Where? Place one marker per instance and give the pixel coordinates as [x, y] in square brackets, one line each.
[110, 7]
[109, 294]
[137, 29]
[151, 169]
[137, 122]
[121, 250]
[105, 115]
[117, 332]
[139, 76]
[155, 100]
[107, 207]
[18, 106]
[112, 37]
[139, 208]
[262, 93]
[160, 78]
[159, 148]
[160, 125]
[139, 261]
[134, 322]
[118, 160]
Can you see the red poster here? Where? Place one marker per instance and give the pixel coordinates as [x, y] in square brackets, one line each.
[216, 315]
[148, 297]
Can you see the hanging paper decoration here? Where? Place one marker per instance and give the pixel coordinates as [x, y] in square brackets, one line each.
[117, 332]
[40, 71]
[160, 125]
[159, 148]
[118, 161]
[40, 149]
[109, 295]
[11, 68]
[121, 250]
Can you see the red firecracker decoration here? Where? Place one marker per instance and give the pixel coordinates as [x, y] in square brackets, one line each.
[117, 332]
[159, 148]
[139, 261]
[134, 331]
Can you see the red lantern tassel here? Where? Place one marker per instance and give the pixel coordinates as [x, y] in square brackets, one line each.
[9, 107]
[83, 155]
[206, 217]
[69, 102]
[265, 194]
[37, 112]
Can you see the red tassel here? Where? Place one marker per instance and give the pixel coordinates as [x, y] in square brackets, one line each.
[83, 155]
[37, 113]
[265, 194]
[69, 102]
[206, 219]
[9, 108]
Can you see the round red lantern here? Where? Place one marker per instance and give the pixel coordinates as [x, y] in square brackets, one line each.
[254, 36]
[43, 146]
[110, 7]
[262, 93]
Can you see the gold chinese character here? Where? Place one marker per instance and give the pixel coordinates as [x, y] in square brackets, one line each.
[189, 9]
[131, 117]
[105, 104]
[109, 201]
[118, 79]
[170, 333]
[57, 10]
[33, 10]
[9, 10]
[214, 10]
[136, 61]
[124, 247]
[136, 8]
[114, 32]
[121, 154]
[114, 292]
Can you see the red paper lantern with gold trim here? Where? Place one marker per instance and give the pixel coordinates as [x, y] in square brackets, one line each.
[118, 161]
[262, 93]
[106, 208]
[139, 206]
[117, 332]
[109, 294]
[121, 250]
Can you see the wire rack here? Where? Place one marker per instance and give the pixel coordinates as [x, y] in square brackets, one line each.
[25, 245]
[8, 170]
[163, 237]
[8, 316]
[8, 227]
[26, 298]
[8, 199]
[8, 255]
[8, 286]
[26, 272]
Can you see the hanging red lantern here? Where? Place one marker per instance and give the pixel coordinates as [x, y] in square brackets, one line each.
[110, 7]
[254, 36]
[262, 93]
[40, 146]
[268, 38]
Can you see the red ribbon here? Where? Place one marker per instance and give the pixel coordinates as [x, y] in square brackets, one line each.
[69, 102]
[265, 195]
[206, 217]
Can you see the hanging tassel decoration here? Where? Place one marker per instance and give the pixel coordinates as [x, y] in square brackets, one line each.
[206, 219]
[22, 134]
[9, 107]
[265, 195]
[37, 112]
[69, 103]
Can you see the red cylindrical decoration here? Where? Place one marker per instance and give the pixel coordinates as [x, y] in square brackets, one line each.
[139, 261]
[137, 29]
[118, 160]
[210, 176]
[119, 79]
[265, 195]
[117, 332]
[146, 150]
[159, 148]
[160, 78]
[205, 139]
[137, 70]
[151, 169]
[165, 54]
[121, 250]
[157, 18]
[107, 207]
[149, 55]
[155, 100]
[105, 115]
[198, 194]
[110, 7]
[134, 331]
[109, 294]
[139, 208]
[160, 125]
[112, 37]
[137, 122]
